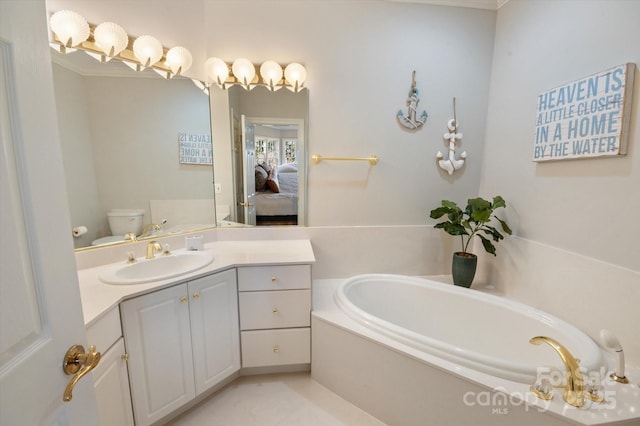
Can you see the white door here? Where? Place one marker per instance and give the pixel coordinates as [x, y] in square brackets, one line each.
[249, 163]
[40, 309]
[214, 328]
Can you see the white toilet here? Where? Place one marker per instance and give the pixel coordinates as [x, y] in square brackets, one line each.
[121, 222]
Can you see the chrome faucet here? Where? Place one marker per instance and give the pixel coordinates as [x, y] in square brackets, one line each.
[574, 389]
[153, 247]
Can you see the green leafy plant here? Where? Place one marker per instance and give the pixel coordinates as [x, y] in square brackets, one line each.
[473, 221]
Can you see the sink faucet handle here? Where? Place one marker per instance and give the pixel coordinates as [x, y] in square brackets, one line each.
[131, 257]
[166, 251]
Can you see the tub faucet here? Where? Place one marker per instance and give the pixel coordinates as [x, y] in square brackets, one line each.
[574, 389]
[152, 247]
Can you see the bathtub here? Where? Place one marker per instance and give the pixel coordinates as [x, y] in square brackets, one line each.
[412, 351]
[481, 331]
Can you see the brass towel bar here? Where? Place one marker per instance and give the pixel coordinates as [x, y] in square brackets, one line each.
[373, 160]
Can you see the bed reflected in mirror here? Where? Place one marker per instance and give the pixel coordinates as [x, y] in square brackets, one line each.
[260, 154]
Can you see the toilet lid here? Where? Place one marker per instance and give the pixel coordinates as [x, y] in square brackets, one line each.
[108, 240]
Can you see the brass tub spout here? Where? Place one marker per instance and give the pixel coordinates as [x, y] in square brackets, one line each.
[574, 389]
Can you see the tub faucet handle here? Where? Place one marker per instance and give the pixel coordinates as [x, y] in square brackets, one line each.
[542, 389]
[574, 389]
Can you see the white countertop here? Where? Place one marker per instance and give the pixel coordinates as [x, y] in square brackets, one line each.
[98, 298]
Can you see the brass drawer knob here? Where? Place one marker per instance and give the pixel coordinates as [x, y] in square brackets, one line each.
[274, 311]
[276, 349]
[274, 279]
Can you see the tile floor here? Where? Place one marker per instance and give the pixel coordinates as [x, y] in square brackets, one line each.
[283, 399]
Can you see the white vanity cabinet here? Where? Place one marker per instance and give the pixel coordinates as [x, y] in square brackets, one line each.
[275, 310]
[181, 341]
[110, 379]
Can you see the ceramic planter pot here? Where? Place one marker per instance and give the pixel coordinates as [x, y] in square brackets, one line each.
[463, 268]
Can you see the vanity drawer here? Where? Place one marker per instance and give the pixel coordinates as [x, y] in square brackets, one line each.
[105, 331]
[263, 348]
[257, 278]
[275, 309]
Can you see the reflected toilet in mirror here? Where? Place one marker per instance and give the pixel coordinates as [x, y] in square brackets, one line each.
[120, 133]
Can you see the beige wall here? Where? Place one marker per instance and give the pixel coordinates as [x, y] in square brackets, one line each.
[588, 206]
[359, 56]
[577, 251]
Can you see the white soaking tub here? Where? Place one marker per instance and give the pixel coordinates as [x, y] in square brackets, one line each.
[412, 351]
[473, 329]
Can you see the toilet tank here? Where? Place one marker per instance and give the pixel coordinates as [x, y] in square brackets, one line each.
[122, 221]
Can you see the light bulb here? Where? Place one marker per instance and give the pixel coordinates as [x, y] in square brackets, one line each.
[295, 75]
[70, 28]
[179, 59]
[217, 70]
[271, 73]
[147, 50]
[243, 70]
[110, 38]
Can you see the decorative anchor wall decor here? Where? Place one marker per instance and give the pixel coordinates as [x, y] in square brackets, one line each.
[411, 121]
[451, 164]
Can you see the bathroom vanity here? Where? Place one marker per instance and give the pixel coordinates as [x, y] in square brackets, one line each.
[174, 342]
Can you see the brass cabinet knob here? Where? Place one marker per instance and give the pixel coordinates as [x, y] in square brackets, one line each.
[184, 299]
[124, 357]
[274, 279]
[276, 349]
[274, 311]
[196, 295]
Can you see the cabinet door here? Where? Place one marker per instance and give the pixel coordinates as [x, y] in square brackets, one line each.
[214, 328]
[111, 384]
[158, 339]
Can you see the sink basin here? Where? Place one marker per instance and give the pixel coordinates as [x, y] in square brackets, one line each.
[159, 268]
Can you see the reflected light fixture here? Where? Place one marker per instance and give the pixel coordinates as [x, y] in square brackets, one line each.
[110, 38]
[70, 28]
[243, 73]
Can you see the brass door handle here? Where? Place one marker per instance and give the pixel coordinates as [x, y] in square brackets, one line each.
[245, 204]
[78, 363]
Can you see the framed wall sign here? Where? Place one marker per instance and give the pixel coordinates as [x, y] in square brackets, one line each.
[195, 148]
[585, 118]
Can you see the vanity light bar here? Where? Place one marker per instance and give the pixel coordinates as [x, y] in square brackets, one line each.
[244, 73]
[68, 34]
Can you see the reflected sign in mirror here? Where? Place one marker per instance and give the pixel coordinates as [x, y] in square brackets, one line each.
[120, 134]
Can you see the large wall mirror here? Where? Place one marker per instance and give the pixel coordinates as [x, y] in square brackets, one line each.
[120, 132]
[260, 156]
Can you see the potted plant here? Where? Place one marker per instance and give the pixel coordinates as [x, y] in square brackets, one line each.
[472, 222]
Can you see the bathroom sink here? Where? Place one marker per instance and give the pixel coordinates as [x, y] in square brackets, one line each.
[159, 268]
